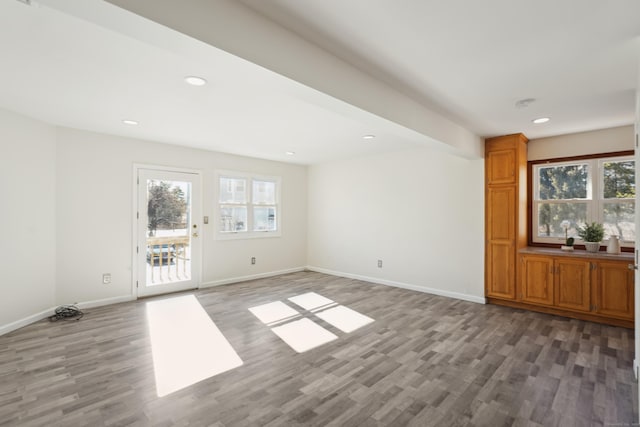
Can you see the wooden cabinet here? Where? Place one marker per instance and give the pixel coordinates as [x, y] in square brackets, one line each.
[614, 294]
[500, 270]
[500, 250]
[593, 287]
[597, 288]
[501, 211]
[572, 284]
[505, 215]
[501, 164]
[536, 279]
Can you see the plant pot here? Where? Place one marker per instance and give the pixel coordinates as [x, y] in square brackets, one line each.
[592, 246]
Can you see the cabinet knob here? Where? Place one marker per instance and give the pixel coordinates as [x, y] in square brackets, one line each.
[632, 266]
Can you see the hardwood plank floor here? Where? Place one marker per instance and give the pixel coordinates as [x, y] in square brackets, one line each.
[425, 361]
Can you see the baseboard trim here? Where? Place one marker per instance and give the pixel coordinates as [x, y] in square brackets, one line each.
[10, 327]
[250, 277]
[455, 295]
[105, 301]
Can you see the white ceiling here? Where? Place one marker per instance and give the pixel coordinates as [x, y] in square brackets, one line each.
[473, 60]
[88, 64]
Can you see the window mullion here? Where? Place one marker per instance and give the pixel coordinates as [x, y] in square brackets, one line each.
[594, 204]
[250, 206]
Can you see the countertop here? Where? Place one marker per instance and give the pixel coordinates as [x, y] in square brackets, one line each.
[577, 253]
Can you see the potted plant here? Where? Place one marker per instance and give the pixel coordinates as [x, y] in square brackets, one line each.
[592, 234]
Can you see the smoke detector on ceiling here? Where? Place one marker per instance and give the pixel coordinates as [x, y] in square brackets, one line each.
[524, 103]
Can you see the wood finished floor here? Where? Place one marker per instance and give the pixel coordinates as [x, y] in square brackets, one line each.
[425, 361]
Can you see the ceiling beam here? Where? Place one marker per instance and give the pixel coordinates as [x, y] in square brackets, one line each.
[237, 29]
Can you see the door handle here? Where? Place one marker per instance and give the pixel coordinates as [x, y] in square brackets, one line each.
[632, 266]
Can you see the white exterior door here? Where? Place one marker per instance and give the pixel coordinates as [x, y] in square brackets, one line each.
[168, 246]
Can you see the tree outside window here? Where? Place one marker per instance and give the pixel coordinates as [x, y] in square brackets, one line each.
[167, 206]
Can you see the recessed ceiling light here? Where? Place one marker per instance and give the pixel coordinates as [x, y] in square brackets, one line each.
[368, 137]
[195, 80]
[290, 153]
[130, 122]
[541, 120]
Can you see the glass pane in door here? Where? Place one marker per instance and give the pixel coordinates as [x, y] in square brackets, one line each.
[168, 241]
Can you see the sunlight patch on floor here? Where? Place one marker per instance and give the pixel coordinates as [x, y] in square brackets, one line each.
[273, 312]
[187, 346]
[303, 335]
[311, 301]
[344, 318]
[300, 332]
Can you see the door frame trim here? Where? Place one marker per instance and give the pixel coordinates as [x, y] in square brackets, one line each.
[134, 219]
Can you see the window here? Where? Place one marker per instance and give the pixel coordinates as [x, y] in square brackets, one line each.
[248, 205]
[618, 198]
[584, 191]
[264, 205]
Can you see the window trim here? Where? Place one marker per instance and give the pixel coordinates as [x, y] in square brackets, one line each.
[596, 193]
[249, 233]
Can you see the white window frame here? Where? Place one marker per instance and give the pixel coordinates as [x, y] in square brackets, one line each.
[594, 200]
[249, 233]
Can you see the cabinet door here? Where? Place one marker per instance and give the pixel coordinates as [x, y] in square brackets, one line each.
[572, 284]
[501, 167]
[500, 271]
[614, 290]
[536, 282]
[501, 213]
[501, 252]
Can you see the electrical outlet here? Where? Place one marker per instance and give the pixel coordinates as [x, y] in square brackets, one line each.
[253, 260]
[106, 278]
[379, 263]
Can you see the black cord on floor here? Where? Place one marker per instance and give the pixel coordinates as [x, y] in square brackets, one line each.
[67, 312]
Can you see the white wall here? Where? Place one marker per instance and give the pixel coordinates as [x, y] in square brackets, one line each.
[582, 143]
[420, 211]
[27, 217]
[94, 214]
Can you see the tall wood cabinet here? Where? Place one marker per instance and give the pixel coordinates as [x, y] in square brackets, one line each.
[505, 212]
